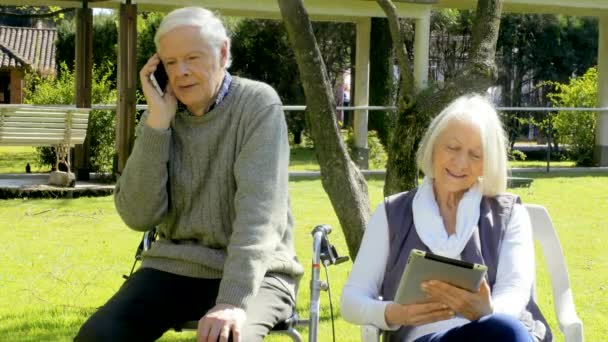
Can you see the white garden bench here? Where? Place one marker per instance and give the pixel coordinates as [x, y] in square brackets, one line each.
[28, 125]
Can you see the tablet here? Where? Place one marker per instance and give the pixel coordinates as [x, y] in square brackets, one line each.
[422, 266]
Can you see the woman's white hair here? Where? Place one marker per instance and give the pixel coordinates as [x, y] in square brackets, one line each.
[211, 28]
[478, 111]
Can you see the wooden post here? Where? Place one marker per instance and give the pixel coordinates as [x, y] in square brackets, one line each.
[84, 76]
[127, 83]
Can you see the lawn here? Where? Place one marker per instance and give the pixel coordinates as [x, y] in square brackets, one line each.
[64, 258]
[13, 159]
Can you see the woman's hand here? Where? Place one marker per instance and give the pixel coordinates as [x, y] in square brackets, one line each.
[471, 305]
[161, 109]
[416, 314]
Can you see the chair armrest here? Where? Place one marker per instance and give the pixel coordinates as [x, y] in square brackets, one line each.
[573, 331]
[569, 322]
[544, 231]
[370, 333]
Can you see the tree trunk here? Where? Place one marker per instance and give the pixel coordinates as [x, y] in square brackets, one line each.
[381, 87]
[341, 179]
[416, 109]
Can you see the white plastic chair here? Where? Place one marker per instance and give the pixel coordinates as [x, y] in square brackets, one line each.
[544, 232]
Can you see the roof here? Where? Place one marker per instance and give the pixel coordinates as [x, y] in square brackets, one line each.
[26, 46]
[338, 8]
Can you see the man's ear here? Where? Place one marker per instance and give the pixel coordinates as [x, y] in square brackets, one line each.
[224, 54]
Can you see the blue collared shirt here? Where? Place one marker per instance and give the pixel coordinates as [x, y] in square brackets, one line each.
[221, 94]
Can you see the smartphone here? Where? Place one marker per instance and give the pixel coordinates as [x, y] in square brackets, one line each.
[159, 78]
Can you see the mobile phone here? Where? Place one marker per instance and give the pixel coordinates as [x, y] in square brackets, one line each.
[159, 78]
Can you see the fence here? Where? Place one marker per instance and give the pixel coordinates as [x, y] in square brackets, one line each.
[548, 110]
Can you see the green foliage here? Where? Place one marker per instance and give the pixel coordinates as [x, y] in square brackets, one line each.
[517, 155]
[30, 16]
[60, 90]
[261, 51]
[105, 43]
[451, 32]
[533, 48]
[577, 129]
[376, 152]
[382, 88]
[147, 24]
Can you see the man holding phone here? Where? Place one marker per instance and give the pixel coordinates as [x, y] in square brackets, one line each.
[213, 179]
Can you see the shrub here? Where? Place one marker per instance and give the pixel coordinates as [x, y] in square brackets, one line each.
[61, 90]
[517, 155]
[377, 154]
[576, 129]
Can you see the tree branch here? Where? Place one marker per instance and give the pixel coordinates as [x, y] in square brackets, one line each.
[35, 15]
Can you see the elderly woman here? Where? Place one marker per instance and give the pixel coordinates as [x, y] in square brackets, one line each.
[212, 175]
[459, 211]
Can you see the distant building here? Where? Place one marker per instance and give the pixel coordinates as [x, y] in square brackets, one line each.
[21, 49]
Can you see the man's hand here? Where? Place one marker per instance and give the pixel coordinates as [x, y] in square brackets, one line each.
[471, 305]
[219, 322]
[416, 314]
[161, 109]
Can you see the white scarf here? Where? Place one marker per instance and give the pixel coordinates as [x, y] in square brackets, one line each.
[429, 224]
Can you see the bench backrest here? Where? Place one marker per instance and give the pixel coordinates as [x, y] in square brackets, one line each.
[22, 125]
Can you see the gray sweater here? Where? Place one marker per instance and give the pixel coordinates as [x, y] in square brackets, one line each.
[217, 187]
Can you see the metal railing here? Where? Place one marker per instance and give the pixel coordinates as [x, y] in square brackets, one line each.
[288, 108]
[548, 110]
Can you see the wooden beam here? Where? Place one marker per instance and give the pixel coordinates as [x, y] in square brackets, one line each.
[127, 84]
[84, 76]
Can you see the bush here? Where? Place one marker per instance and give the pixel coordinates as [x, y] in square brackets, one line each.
[517, 155]
[60, 90]
[377, 154]
[576, 129]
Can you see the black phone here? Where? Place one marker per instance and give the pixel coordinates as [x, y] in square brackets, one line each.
[159, 78]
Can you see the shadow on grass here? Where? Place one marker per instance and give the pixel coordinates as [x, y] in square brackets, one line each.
[308, 179]
[62, 324]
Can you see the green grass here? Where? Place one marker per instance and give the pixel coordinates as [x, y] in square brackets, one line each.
[304, 159]
[14, 158]
[540, 163]
[63, 258]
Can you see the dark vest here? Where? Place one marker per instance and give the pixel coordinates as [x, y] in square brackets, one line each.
[482, 248]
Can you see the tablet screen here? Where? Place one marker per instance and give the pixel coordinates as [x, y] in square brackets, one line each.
[422, 266]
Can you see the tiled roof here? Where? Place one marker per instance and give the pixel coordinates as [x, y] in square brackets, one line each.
[21, 46]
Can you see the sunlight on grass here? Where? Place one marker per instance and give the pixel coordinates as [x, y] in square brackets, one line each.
[14, 158]
[64, 258]
[540, 164]
[304, 159]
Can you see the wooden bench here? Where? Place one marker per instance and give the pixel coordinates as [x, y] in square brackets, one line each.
[28, 125]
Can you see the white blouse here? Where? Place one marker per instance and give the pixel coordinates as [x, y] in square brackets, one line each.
[514, 277]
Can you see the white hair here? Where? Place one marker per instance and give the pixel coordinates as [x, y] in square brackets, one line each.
[210, 26]
[478, 111]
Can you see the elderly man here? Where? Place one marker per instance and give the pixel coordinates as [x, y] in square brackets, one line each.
[211, 174]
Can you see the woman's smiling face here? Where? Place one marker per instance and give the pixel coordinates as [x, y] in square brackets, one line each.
[457, 157]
